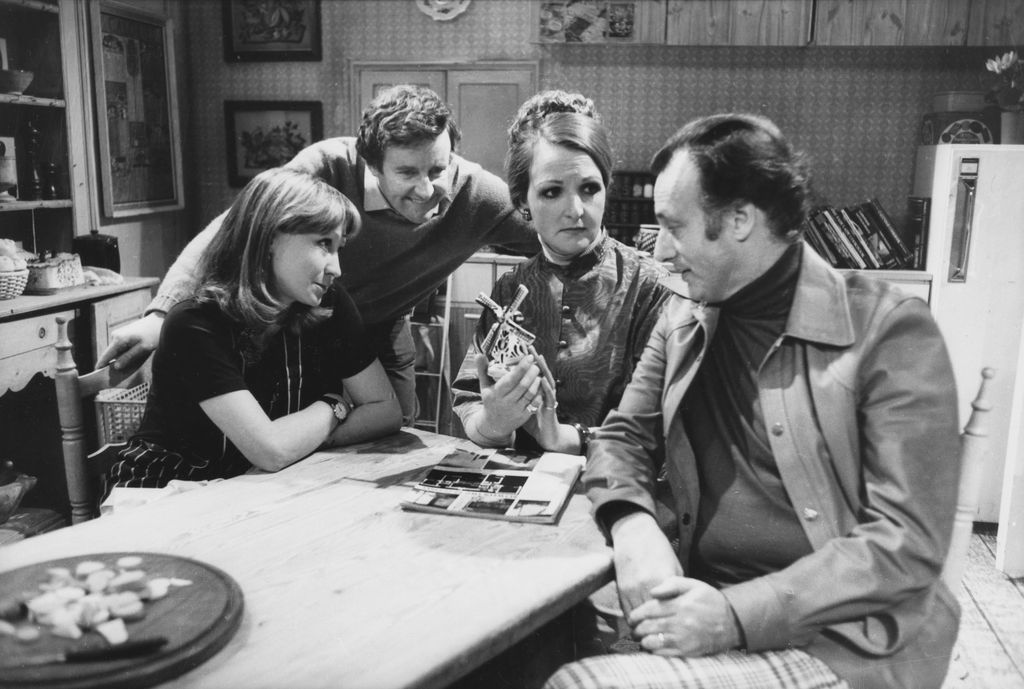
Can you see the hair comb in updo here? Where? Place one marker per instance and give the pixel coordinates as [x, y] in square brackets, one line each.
[545, 103]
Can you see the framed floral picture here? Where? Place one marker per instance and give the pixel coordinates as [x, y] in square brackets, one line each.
[264, 134]
[137, 110]
[271, 30]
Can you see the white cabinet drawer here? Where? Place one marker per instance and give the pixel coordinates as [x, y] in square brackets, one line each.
[27, 334]
[26, 348]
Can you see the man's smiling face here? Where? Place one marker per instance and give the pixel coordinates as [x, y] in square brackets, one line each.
[414, 178]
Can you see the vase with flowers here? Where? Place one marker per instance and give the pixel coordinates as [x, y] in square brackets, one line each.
[1008, 93]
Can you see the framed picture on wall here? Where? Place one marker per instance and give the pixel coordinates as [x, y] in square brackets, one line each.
[599, 21]
[136, 110]
[264, 134]
[261, 31]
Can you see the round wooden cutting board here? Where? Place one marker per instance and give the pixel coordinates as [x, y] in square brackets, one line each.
[197, 620]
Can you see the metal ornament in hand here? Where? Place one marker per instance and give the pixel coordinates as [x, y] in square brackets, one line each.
[507, 342]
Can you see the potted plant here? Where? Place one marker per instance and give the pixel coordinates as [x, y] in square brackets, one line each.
[1008, 93]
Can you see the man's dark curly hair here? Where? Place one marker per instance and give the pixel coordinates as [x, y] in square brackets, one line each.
[745, 158]
[403, 115]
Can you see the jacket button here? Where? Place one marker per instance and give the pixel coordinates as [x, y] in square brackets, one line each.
[686, 519]
[558, 381]
[562, 344]
[809, 514]
[777, 429]
[566, 310]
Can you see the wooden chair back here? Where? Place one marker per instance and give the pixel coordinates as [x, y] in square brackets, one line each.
[973, 447]
[75, 395]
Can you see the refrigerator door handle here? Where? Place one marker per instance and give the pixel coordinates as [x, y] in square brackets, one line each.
[963, 220]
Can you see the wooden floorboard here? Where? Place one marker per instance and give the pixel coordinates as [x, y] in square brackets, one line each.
[990, 648]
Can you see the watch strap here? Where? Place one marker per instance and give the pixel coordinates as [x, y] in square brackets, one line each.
[339, 406]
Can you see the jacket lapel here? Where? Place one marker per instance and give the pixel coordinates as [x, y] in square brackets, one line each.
[684, 350]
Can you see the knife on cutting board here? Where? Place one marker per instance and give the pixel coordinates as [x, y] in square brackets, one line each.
[129, 649]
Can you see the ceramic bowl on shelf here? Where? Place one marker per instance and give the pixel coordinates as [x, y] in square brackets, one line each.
[14, 80]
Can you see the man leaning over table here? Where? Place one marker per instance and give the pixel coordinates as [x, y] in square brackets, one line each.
[805, 422]
[424, 211]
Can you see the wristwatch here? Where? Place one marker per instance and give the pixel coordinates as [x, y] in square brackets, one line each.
[338, 405]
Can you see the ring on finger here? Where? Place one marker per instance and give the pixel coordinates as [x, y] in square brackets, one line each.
[532, 408]
[662, 643]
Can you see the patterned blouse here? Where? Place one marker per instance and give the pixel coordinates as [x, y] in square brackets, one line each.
[592, 319]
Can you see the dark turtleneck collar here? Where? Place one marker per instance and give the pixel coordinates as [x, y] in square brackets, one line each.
[770, 296]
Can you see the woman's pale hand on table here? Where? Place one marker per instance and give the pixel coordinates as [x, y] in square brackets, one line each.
[510, 401]
[685, 617]
[132, 343]
[644, 558]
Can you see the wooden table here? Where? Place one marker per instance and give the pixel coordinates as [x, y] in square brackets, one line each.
[342, 587]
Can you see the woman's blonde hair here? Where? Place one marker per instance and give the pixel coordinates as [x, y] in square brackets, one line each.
[235, 270]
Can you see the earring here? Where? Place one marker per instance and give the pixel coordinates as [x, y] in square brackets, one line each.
[526, 214]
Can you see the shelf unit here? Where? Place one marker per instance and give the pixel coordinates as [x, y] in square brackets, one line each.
[630, 204]
[47, 125]
[50, 38]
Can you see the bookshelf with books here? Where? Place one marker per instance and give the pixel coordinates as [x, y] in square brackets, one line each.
[864, 237]
[860, 236]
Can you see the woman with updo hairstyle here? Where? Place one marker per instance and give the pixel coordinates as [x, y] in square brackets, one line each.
[592, 300]
[267, 361]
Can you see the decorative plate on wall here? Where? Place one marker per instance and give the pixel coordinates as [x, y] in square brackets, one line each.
[442, 10]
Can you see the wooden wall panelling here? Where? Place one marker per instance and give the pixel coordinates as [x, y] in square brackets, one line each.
[860, 22]
[738, 22]
[996, 22]
[891, 22]
[650, 21]
[936, 22]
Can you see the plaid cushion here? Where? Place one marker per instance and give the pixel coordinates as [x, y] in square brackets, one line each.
[788, 669]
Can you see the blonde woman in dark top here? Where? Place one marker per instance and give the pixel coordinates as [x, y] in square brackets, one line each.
[592, 300]
[268, 360]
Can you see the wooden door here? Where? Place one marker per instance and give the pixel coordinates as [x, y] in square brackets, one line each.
[996, 22]
[890, 22]
[369, 81]
[738, 22]
[485, 101]
[484, 97]
[936, 23]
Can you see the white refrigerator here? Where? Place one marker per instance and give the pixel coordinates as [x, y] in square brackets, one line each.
[975, 255]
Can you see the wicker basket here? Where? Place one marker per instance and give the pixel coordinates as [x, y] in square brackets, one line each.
[12, 283]
[119, 412]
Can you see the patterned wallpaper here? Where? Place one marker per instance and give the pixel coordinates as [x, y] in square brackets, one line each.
[854, 111]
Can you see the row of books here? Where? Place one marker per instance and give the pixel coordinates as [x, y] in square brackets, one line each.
[863, 236]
